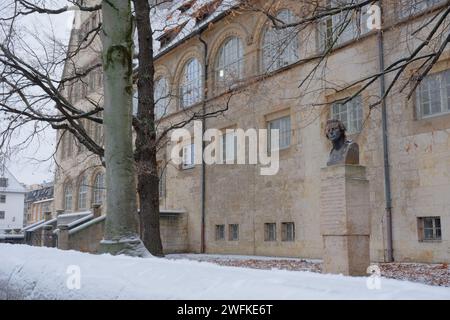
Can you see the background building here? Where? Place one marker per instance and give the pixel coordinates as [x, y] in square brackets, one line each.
[38, 200]
[12, 194]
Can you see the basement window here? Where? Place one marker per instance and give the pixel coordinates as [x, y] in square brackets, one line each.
[270, 232]
[220, 232]
[429, 228]
[233, 232]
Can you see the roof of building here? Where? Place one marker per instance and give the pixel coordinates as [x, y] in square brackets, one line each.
[43, 193]
[12, 184]
[175, 22]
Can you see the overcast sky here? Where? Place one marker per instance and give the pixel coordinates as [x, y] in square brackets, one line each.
[33, 164]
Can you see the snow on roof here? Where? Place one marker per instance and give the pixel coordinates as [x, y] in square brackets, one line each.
[182, 19]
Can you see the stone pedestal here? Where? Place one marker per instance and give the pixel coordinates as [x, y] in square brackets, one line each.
[345, 219]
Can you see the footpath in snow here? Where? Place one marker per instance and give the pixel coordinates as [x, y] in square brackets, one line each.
[45, 273]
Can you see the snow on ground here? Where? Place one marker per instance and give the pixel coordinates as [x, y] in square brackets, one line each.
[432, 274]
[42, 273]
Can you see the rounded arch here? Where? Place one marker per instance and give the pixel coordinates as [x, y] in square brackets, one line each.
[229, 63]
[98, 187]
[231, 30]
[260, 32]
[191, 54]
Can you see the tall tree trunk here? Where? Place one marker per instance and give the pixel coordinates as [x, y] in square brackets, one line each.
[121, 235]
[145, 153]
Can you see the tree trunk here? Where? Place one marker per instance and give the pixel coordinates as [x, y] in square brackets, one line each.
[146, 149]
[121, 235]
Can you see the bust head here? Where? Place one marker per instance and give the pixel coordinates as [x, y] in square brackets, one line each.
[335, 131]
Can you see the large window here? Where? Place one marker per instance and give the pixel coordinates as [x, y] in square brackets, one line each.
[82, 193]
[350, 113]
[230, 63]
[345, 26]
[280, 45]
[191, 86]
[283, 125]
[161, 97]
[99, 188]
[433, 95]
[408, 8]
[68, 196]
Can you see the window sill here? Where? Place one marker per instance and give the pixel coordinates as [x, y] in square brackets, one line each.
[430, 241]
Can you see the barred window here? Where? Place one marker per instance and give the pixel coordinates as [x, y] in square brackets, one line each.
[270, 232]
[430, 228]
[161, 97]
[220, 232]
[283, 125]
[191, 86]
[99, 189]
[287, 231]
[230, 63]
[350, 113]
[233, 230]
[280, 46]
[82, 193]
[433, 94]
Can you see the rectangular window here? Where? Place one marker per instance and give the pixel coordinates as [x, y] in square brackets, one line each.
[270, 232]
[229, 147]
[2, 198]
[345, 26]
[3, 182]
[407, 8]
[350, 113]
[220, 232]
[283, 125]
[162, 183]
[233, 230]
[429, 228]
[2, 215]
[188, 156]
[433, 95]
[287, 231]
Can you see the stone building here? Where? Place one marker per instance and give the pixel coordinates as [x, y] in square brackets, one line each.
[38, 201]
[254, 70]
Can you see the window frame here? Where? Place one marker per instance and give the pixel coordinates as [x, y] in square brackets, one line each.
[98, 192]
[231, 47]
[4, 182]
[271, 39]
[434, 229]
[82, 193]
[233, 232]
[287, 132]
[188, 165]
[359, 117]
[219, 231]
[444, 94]
[161, 97]
[68, 187]
[285, 231]
[194, 84]
[270, 232]
[2, 198]
[2, 215]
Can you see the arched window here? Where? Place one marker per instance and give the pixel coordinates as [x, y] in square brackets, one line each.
[68, 196]
[230, 62]
[280, 46]
[191, 84]
[82, 193]
[161, 97]
[99, 188]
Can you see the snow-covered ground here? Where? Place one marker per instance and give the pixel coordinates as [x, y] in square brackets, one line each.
[44, 273]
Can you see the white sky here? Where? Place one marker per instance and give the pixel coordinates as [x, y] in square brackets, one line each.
[32, 165]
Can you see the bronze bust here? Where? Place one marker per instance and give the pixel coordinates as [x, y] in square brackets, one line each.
[344, 151]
